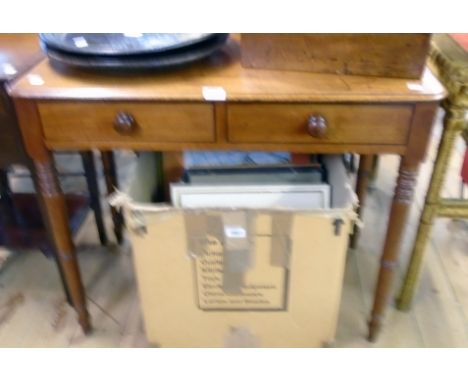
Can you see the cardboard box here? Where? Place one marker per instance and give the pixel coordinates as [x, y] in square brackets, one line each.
[401, 55]
[238, 277]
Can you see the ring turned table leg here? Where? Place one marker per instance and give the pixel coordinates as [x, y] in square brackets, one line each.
[400, 207]
[53, 205]
[418, 141]
[55, 209]
[46, 222]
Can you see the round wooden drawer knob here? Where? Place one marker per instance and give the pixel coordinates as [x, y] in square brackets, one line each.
[124, 123]
[317, 126]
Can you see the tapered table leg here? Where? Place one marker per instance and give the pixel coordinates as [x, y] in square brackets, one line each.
[55, 211]
[42, 207]
[400, 207]
[454, 122]
[110, 175]
[53, 205]
[365, 167]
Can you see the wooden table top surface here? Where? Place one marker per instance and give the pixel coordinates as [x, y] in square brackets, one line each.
[18, 52]
[223, 69]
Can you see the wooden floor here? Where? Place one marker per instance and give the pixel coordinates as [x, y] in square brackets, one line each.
[33, 312]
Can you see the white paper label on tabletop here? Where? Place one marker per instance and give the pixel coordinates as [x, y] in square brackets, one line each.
[214, 93]
[8, 69]
[415, 87]
[35, 79]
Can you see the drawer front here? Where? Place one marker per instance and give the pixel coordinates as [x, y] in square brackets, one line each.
[319, 123]
[127, 122]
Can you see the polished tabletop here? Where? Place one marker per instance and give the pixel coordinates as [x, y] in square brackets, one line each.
[18, 52]
[222, 70]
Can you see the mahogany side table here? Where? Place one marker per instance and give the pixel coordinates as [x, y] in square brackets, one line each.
[218, 104]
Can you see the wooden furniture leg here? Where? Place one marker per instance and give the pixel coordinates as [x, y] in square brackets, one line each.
[63, 280]
[454, 122]
[374, 171]
[365, 168]
[171, 171]
[89, 166]
[53, 205]
[110, 175]
[400, 207]
[6, 201]
[169, 168]
[4, 185]
[5, 192]
[42, 207]
[55, 209]
[9, 210]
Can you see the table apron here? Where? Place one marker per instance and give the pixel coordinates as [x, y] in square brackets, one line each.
[296, 148]
[362, 128]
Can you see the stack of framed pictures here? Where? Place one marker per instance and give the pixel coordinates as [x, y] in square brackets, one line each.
[282, 185]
